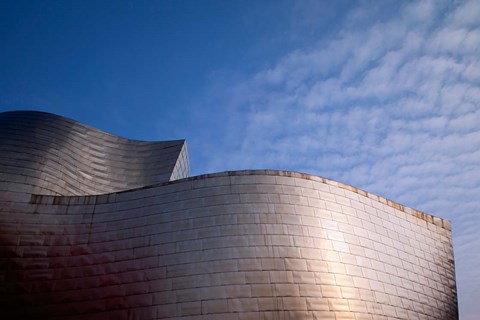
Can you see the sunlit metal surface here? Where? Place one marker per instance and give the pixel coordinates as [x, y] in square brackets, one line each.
[235, 245]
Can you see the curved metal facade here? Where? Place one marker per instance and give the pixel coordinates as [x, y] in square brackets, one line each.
[43, 153]
[235, 245]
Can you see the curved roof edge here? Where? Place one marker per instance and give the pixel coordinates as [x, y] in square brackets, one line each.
[44, 153]
[88, 127]
[428, 218]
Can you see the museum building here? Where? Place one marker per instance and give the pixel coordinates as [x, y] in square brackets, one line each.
[94, 226]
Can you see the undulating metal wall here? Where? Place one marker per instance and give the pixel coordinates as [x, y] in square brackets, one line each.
[235, 245]
[47, 154]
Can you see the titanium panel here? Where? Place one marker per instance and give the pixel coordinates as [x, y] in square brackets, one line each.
[257, 244]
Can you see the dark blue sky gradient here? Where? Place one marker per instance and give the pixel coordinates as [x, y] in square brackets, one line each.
[118, 65]
[113, 59]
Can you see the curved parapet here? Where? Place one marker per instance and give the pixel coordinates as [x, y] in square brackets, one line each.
[234, 245]
[43, 153]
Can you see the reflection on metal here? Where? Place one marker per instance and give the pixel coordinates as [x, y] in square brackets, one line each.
[93, 226]
[47, 154]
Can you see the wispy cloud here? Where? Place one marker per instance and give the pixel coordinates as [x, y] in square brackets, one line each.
[389, 103]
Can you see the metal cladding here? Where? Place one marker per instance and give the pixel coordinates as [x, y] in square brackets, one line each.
[42, 153]
[235, 245]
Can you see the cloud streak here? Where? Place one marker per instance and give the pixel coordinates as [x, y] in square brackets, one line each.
[388, 103]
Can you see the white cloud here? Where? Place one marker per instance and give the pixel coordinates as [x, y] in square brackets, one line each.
[390, 103]
[466, 14]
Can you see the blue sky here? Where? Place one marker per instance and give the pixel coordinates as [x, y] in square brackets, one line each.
[382, 95]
